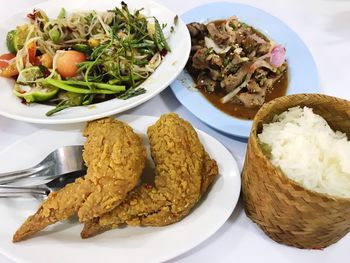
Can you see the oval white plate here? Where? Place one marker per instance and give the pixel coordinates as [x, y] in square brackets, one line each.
[303, 76]
[171, 66]
[61, 242]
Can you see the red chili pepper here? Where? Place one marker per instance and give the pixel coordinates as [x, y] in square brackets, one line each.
[33, 59]
[163, 52]
[32, 15]
[45, 71]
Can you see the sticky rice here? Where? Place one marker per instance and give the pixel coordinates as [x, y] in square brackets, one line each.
[308, 151]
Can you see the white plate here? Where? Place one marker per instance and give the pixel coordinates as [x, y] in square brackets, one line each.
[302, 78]
[171, 66]
[61, 242]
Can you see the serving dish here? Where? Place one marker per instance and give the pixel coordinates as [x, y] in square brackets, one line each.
[129, 244]
[171, 66]
[285, 210]
[303, 76]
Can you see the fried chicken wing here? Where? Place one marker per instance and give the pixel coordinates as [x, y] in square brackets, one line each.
[115, 158]
[184, 171]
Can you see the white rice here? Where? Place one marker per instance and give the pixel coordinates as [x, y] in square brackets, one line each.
[308, 151]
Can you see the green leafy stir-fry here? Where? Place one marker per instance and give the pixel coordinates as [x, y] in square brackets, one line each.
[83, 58]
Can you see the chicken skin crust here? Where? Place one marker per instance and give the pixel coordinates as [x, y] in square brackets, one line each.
[115, 158]
[184, 171]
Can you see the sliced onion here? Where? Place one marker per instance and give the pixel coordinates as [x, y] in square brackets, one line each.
[209, 43]
[234, 92]
[230, 95]
[260, 63]
[238, 50]
[155, 61]
[267, 55]
[229, 29]
[278, 55]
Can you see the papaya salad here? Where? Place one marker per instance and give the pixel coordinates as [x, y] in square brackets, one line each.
[83, 58]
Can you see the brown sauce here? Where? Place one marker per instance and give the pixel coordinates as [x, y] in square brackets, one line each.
[235, 109]
[239, 110]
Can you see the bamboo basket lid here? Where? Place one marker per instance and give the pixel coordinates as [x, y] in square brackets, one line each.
[282, 208]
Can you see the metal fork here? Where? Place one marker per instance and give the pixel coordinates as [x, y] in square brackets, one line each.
[66, 159]
[42, 190]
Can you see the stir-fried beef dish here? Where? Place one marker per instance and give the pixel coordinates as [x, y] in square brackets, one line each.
[235, 66]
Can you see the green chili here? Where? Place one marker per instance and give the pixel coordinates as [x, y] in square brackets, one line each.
[82, 48]
[62, 13]
[55, 35]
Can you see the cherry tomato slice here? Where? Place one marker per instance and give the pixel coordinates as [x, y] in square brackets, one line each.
[5, 58]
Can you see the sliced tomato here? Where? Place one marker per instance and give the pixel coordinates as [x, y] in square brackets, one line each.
[5, 58]
[9, 71]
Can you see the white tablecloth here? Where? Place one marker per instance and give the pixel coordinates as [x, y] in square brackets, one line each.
[324, 25]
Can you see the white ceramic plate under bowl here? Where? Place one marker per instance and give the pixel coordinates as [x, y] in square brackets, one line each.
[61, 242]
[302, 77]
[171, 66]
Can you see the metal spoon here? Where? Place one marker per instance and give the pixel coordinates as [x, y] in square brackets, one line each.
[42, 189]
[63, 160]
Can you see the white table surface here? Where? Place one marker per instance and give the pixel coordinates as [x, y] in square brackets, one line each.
[324, 25]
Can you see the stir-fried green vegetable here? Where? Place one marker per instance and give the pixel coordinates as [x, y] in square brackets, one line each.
[85, 58]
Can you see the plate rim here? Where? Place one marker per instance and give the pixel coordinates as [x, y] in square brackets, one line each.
[130, 118]
[240, 128]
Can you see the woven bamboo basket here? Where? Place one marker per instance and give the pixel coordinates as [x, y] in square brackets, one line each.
[284, 210]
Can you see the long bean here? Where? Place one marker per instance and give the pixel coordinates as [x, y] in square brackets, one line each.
[57, 109]
[143, 44]
[60, 85]
[159, 37]
[116, 88]
[131, 93]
